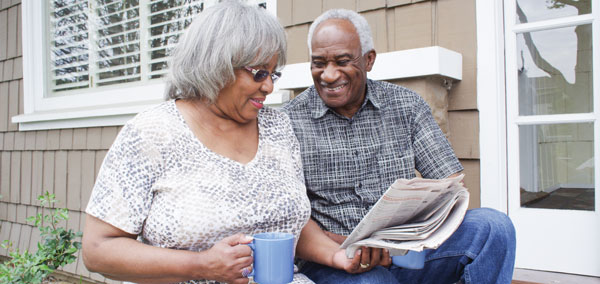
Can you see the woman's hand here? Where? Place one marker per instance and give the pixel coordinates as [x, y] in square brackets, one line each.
[230, 259]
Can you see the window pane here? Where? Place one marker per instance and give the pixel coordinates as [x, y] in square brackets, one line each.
[117, 45]
[555, 71]
[539, 10]
[557, 166]
[69, 43]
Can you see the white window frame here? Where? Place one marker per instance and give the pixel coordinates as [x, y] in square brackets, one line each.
[105, 107]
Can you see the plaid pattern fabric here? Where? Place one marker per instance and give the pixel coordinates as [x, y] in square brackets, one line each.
[349, 163]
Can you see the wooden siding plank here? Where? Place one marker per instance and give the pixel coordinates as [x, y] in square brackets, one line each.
[5, 227]
[66, 139]
[339, 4]
[393, 3]
[378, 23]
[94, 138]
[31, 211]
[284, 12]
[109, 134]
[9, 141]
[48, 172]
[19, 141]
[1, 141]
[30, 140]
[13, 104]
[305, 11]
[74, 180]
[40, 139]
[79, 139]
[7, 70]
[15, 177]
[464, 133]
[11, 212]
[5, 176]
[24, 238]
[11, 32]
[17, 68]
[21, 214]
[26, 164]
[60, 178]
[81, 269]
[3, 106]
[72, 224]
[3, 211]
[35, 239]
[413, 26]
[19, 31]
[53, 139]
[99, 160]
[15, 233]
[3, 34]
[88, 171]
[365, 5]
[37, 172]
[297, 47]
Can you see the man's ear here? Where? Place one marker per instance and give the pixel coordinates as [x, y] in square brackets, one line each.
[370, 57]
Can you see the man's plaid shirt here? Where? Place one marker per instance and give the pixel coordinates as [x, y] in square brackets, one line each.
[349, 163]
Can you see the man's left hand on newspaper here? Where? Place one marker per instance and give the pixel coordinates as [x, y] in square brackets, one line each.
[369, 257]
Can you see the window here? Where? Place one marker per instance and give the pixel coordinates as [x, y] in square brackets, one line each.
[98, 62]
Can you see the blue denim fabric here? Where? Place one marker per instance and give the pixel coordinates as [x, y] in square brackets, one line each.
[481, 251]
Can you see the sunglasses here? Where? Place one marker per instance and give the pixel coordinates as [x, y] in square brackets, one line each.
[260, 74]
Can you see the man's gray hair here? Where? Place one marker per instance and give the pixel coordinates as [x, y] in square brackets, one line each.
[359, 22]
[222, 38]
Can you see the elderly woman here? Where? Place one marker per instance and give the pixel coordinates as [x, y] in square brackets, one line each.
[188, 181]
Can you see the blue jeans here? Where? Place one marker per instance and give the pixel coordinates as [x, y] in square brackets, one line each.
[481, 251]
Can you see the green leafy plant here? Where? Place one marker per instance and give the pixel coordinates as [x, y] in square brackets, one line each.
[58, 247]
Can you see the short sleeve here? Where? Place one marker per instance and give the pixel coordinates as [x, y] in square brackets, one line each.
[122, 194]
[434, 157]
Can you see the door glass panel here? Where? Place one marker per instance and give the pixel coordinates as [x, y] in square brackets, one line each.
[538, 10]
[555, 71]
[557, 166]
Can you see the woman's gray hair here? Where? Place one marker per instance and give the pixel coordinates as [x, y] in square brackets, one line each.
[222, 38]
[359, 22]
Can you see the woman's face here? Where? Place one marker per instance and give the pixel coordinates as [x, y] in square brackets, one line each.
[242, 99]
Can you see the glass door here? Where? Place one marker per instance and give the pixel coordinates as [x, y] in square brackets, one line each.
[553, 128]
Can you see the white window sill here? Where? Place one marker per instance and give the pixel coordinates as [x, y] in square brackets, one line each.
[420, 62]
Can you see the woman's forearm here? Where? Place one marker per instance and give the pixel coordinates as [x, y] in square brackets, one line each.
[118, 255]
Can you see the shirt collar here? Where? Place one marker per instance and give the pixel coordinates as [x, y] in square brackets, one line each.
[319, 108]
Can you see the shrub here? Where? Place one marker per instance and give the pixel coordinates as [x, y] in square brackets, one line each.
[58, 247]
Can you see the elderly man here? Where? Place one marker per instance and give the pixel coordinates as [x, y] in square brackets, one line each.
[357, 136]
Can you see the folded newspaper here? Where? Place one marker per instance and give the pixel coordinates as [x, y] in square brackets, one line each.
[413, 214]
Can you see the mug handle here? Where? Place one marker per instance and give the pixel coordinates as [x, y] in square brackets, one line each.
[253, 248]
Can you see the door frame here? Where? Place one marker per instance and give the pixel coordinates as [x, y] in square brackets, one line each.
[491, 102]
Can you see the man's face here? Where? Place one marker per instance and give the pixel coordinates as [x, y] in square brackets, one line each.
[338, 68]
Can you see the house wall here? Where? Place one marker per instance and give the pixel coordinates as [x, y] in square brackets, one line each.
[65, 162]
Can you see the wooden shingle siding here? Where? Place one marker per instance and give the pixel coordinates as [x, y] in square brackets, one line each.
[366, 5]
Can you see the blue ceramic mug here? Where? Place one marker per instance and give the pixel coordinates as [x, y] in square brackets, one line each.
[411, 260]
[273, 258]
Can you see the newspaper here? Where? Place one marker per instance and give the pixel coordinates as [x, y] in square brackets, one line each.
[413, 215]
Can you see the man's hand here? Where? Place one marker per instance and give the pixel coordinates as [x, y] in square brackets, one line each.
[369, 257]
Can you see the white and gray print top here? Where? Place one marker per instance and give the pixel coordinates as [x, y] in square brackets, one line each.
[160, 182]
